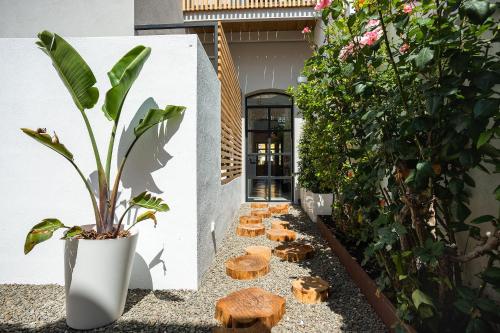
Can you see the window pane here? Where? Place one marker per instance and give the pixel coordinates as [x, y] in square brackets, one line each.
[257, 166]
[281, 189]
[281, 118]
[281, 165]
[257, 189]
[257, 142]
[282, 142]
[269, 99]
[257, 119]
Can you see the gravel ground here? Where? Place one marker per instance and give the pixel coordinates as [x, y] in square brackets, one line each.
[41, 308]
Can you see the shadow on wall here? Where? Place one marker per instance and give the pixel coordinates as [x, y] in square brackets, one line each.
[148, 156]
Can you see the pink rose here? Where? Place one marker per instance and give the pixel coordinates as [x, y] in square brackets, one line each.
[322, 4]
[372, 23]
[370, 37]
[408, 8]
[306, 30]
[404, 48]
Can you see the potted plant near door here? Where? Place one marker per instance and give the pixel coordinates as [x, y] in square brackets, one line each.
[98, 256]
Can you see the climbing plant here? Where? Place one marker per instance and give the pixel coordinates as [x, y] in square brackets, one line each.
[400, 106]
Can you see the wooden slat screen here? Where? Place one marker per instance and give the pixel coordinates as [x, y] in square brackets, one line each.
[202, 5]
[231, 145]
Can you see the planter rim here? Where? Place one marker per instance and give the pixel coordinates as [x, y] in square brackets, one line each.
[133, 233]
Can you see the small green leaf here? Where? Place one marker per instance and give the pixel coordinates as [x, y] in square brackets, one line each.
[484, 138]
[156, 116]
[72, 232]
[484, 108]
[51, 142]
[482, 219]
[424, 57]
[419, 297]
[146, 200]
[41, 232]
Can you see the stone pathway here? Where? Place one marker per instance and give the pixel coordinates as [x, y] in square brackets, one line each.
[29, 308]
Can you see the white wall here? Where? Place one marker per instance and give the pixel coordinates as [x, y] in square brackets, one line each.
[270, 65]
[38, 183]
[25, 18]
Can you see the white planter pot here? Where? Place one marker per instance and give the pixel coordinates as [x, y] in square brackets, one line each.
[315, 204]
[97, 275]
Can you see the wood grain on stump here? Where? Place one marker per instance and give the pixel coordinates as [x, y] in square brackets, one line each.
[259, 205]
[294, 252]
[278, 224]
[247, 267]
[261, 213]
[250, 220]
[279, 209]
[251, 230]
[310, 289]
[247, 307]
[263, 251]
[281, 235]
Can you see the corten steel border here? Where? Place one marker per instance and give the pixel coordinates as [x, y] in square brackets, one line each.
[380, 303]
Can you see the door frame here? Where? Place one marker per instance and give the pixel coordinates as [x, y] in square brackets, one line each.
[292, 153]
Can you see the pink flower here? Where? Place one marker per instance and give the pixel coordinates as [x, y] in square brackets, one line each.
[322, 4]
[408, 8]
[346, 51]
[404, 48]
[370, 37]
[372, 23]
[306, 30]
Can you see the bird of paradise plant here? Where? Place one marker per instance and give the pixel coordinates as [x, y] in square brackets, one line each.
[79, 80]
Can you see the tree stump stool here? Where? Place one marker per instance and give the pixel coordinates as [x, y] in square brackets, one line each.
[251, 230]
[310, 289]
[250, 220]
[261, 213]
[279, 209]
[281, 235]
[294, 252]
[259, 205]
[247, 267]
[247, 307]
[278, 224]
[263, 251]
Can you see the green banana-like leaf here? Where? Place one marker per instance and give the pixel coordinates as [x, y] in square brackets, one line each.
[146, 200]
[49, 141]
[156, 116]
[122, 76]
[147, 215]
[41, 232]
[72, 232]
[73, 70]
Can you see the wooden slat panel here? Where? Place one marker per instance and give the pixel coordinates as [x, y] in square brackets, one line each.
[204, 5]
[231, 141]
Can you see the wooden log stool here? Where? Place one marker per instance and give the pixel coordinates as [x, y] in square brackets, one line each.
[310, 289]
[259, 205]
[261, 213]
[251, 230]
[279, 224]
[279, 209]
[281, 235]
[247, 307]
[247, 267]
[294, 252]
[263, 251]
[250, 220]
[258, 327]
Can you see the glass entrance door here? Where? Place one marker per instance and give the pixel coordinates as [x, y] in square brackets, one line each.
[269, 147]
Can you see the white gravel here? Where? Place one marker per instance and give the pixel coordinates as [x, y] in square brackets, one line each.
[32, 308]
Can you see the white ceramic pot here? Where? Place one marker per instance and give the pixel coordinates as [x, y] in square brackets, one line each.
[97, 274]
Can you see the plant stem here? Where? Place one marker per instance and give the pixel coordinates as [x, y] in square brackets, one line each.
[110, 150]
[121, 220]
[98, 220]
[103, 183]
[114, 192]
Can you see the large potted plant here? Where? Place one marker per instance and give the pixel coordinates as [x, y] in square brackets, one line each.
[98, 254]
